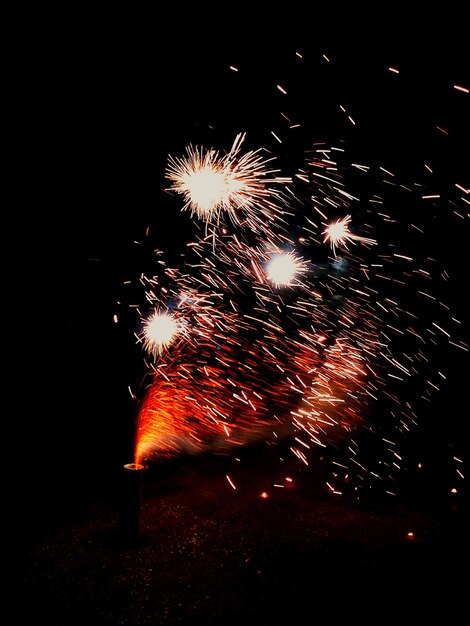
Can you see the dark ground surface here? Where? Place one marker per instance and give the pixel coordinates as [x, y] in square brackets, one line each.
[209, 554]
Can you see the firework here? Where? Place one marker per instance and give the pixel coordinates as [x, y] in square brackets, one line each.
[253, 339]
[236, 184]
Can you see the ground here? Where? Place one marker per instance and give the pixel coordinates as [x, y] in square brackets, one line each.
[210, 554]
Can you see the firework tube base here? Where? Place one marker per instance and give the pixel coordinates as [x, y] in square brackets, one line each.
[131, 497]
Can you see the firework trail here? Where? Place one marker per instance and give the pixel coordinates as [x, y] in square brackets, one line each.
[265, 334]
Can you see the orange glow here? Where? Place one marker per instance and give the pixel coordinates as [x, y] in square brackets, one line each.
[191, 409]
[264, 495]
[136, 467]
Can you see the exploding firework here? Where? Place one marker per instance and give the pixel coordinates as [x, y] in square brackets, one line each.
[235, 183]
[266, 342]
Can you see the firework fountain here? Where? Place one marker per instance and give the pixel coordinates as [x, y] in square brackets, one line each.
[297, 312]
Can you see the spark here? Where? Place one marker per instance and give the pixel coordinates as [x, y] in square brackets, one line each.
[338, 234]
[230, 482]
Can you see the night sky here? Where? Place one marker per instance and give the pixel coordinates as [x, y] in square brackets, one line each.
[106, 102]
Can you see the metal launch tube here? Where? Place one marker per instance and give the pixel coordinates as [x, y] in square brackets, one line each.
[131, 496]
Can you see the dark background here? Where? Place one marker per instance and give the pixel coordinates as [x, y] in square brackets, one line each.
[103, 101]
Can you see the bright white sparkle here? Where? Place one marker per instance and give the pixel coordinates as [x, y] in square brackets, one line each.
[160, 330]
[211, 183]
[283, 268]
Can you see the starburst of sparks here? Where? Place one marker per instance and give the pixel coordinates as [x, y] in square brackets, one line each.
[160, 331]
[338, 234]
[240, 357]
[283, 268]
[234, 183]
